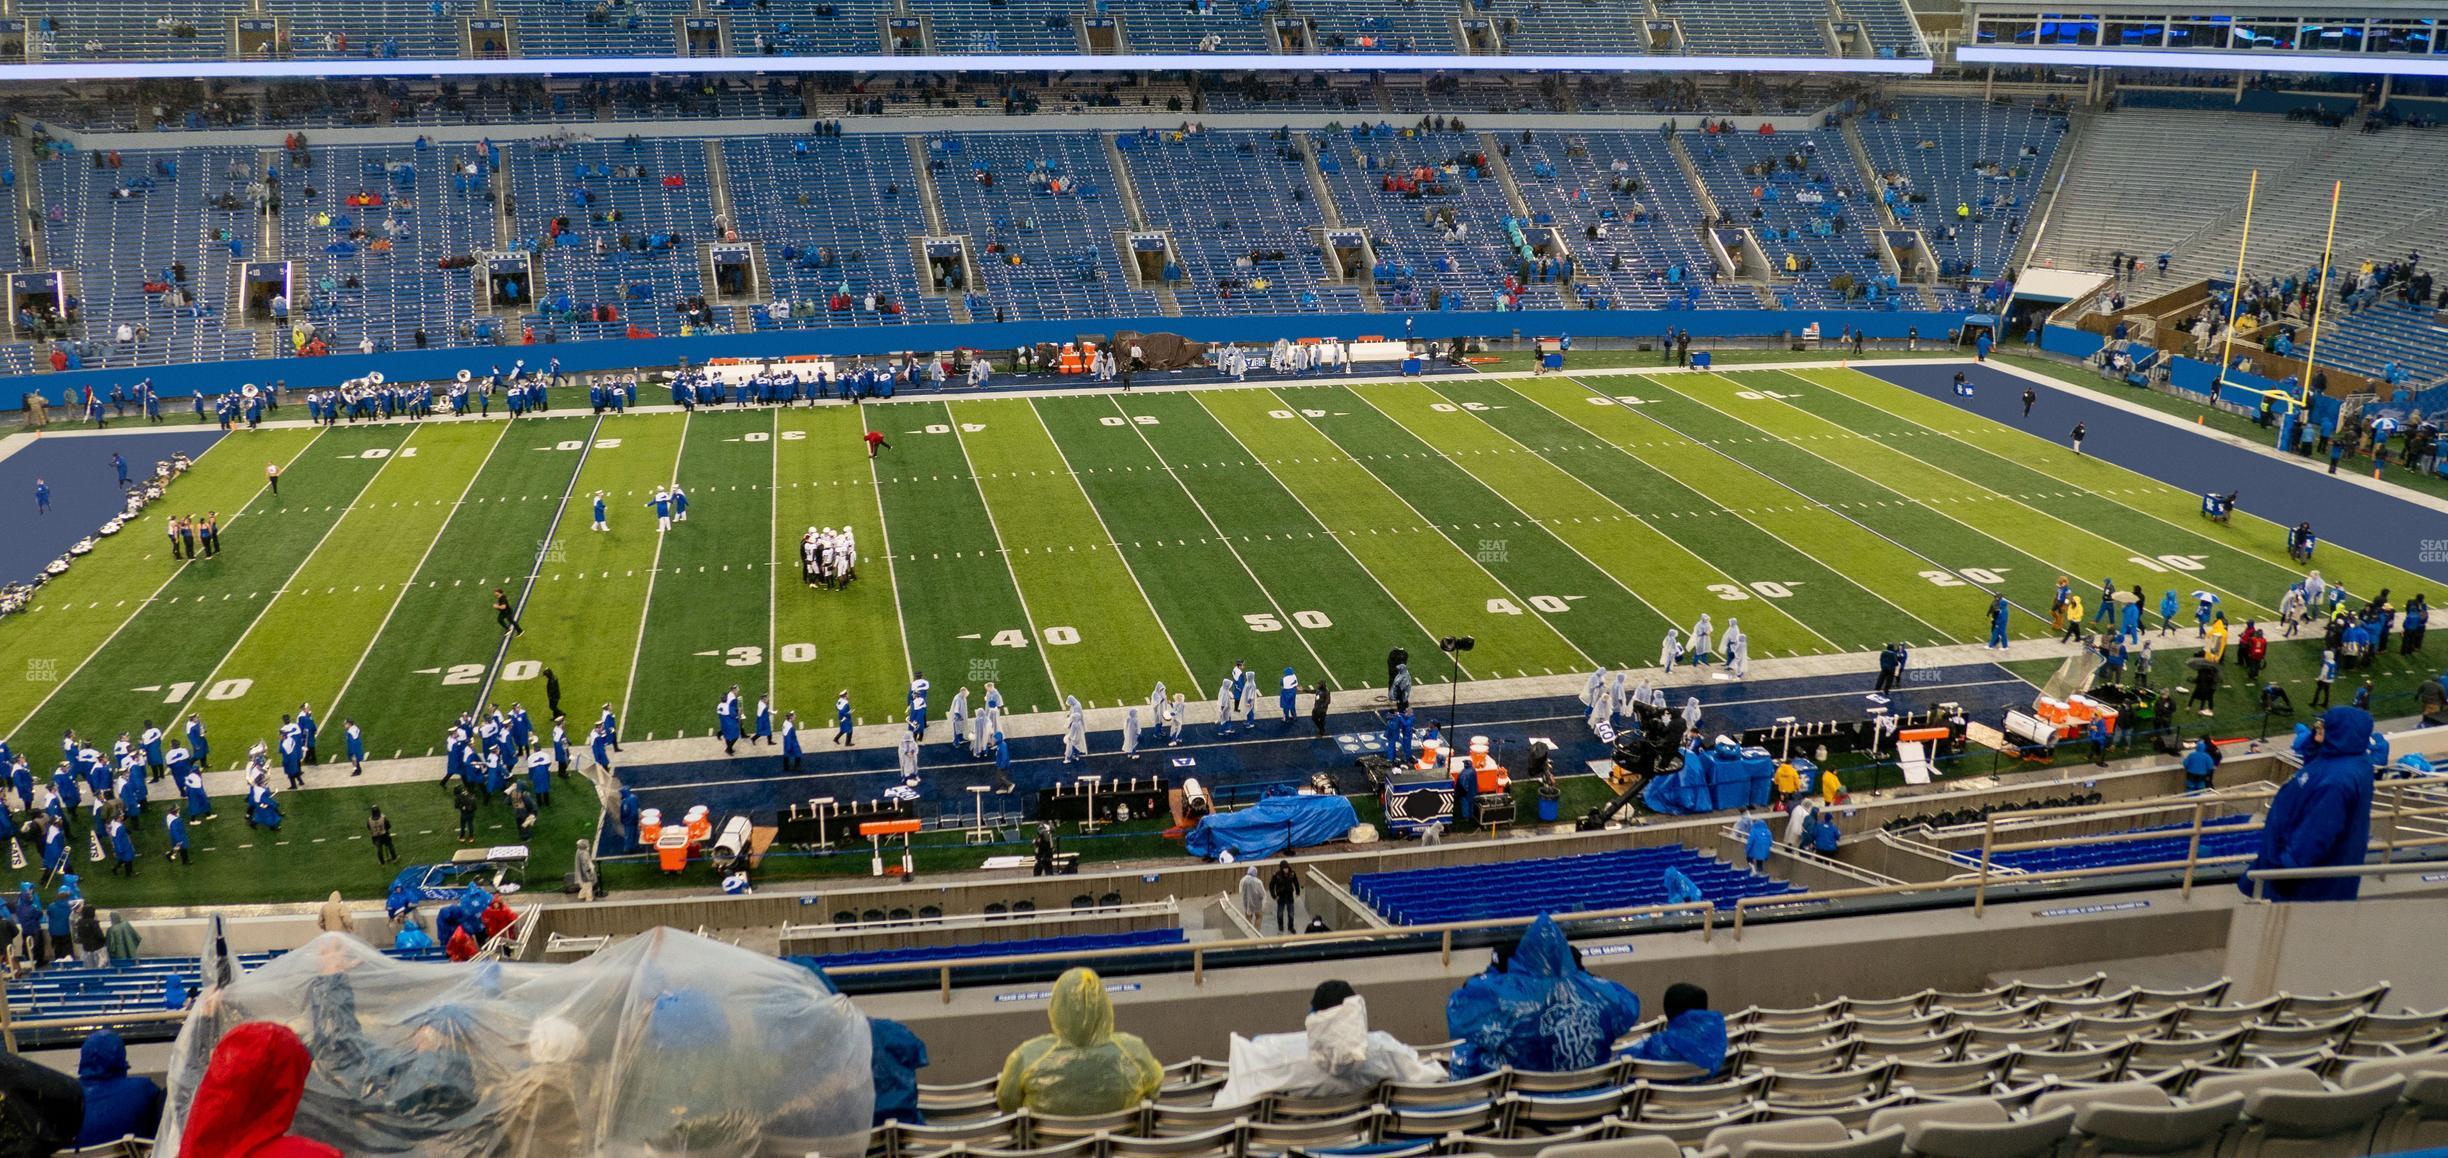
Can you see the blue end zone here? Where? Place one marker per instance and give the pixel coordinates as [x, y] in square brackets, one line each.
[1241, 767]
[84, 491]
[2383, 526]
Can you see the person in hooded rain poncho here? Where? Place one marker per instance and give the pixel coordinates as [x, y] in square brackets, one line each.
[249, 1095]
[1130, 732]
[1737, 649]
[2321, 815]
[1694, 1034]
[1335, 1054]
[1601, 706]
[1679, 888]
[684, 1101]
[1540, 1012]
[1253, 895]
[909, 755]
[1085, 1066]
[1670, 650]
[540, 1105]
[116, 1105]
[1075, 732]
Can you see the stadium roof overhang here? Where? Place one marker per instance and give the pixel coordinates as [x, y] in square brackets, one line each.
[1049, 63]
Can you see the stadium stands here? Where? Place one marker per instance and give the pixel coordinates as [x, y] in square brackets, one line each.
[88, 30]
[1805, 198]
[2016, 1070]
[1225, 197]
[134, 987]
[1622, 879]
[841, 213]
[382, 285]
[1045, 231]
[1220, 195]
[1395, 186]
[1988, 158]
[646, 260]
[1568, 181]
[2217, 840]
[123, 227]
[1756, 28]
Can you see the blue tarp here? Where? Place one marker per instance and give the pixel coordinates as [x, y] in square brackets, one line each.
[1712, 780]
[1273, 825]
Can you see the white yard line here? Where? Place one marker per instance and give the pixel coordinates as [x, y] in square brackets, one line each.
[773, 559]
[1500, 432]
[1331, 536]
[1903, 498]
[2379, 486]
[1436, 526]
[408, 581]
[175, 572]
[1944, 636]
[1281, 617]
[646, 606]
[1979, 489]
[270, 601]
[535, 566]
[1072, 473]
[1003, 552]
[2391, 490]
[875, 487]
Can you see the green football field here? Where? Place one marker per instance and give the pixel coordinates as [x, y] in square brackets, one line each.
[1091, 545]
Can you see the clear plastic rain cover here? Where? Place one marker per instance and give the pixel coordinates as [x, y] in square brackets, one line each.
[666, 1044]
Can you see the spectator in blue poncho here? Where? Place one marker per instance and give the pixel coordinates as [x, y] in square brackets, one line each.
[1680, 889]
[116, 1105]
[894, 1057]
[1694, 1034]
[1540, 1013]
[2322, 815]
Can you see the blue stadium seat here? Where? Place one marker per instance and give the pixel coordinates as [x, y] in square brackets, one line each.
[1624, 878]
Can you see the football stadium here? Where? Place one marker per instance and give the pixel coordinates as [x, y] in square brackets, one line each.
[1223, 578]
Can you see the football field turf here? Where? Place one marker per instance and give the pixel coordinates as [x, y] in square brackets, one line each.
[1090, 545]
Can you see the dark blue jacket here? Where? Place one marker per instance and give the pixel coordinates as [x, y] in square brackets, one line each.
[895, 1055]
[1696, 1038]
[116, 1105]
[2322, 816]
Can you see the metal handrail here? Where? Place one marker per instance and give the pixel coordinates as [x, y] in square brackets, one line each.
[2193, 862]
[9, 1027]
[1198, 952]
[2259, 877]
[818, 929]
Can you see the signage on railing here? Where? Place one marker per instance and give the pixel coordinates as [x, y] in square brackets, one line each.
[2089, 910]
[1043, 994]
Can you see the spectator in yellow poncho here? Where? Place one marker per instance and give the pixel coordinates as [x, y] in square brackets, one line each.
[1083, 1067]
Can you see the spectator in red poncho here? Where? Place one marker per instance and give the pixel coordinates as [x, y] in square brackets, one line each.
[460, 947]
[497, 917]
[249, 1094]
